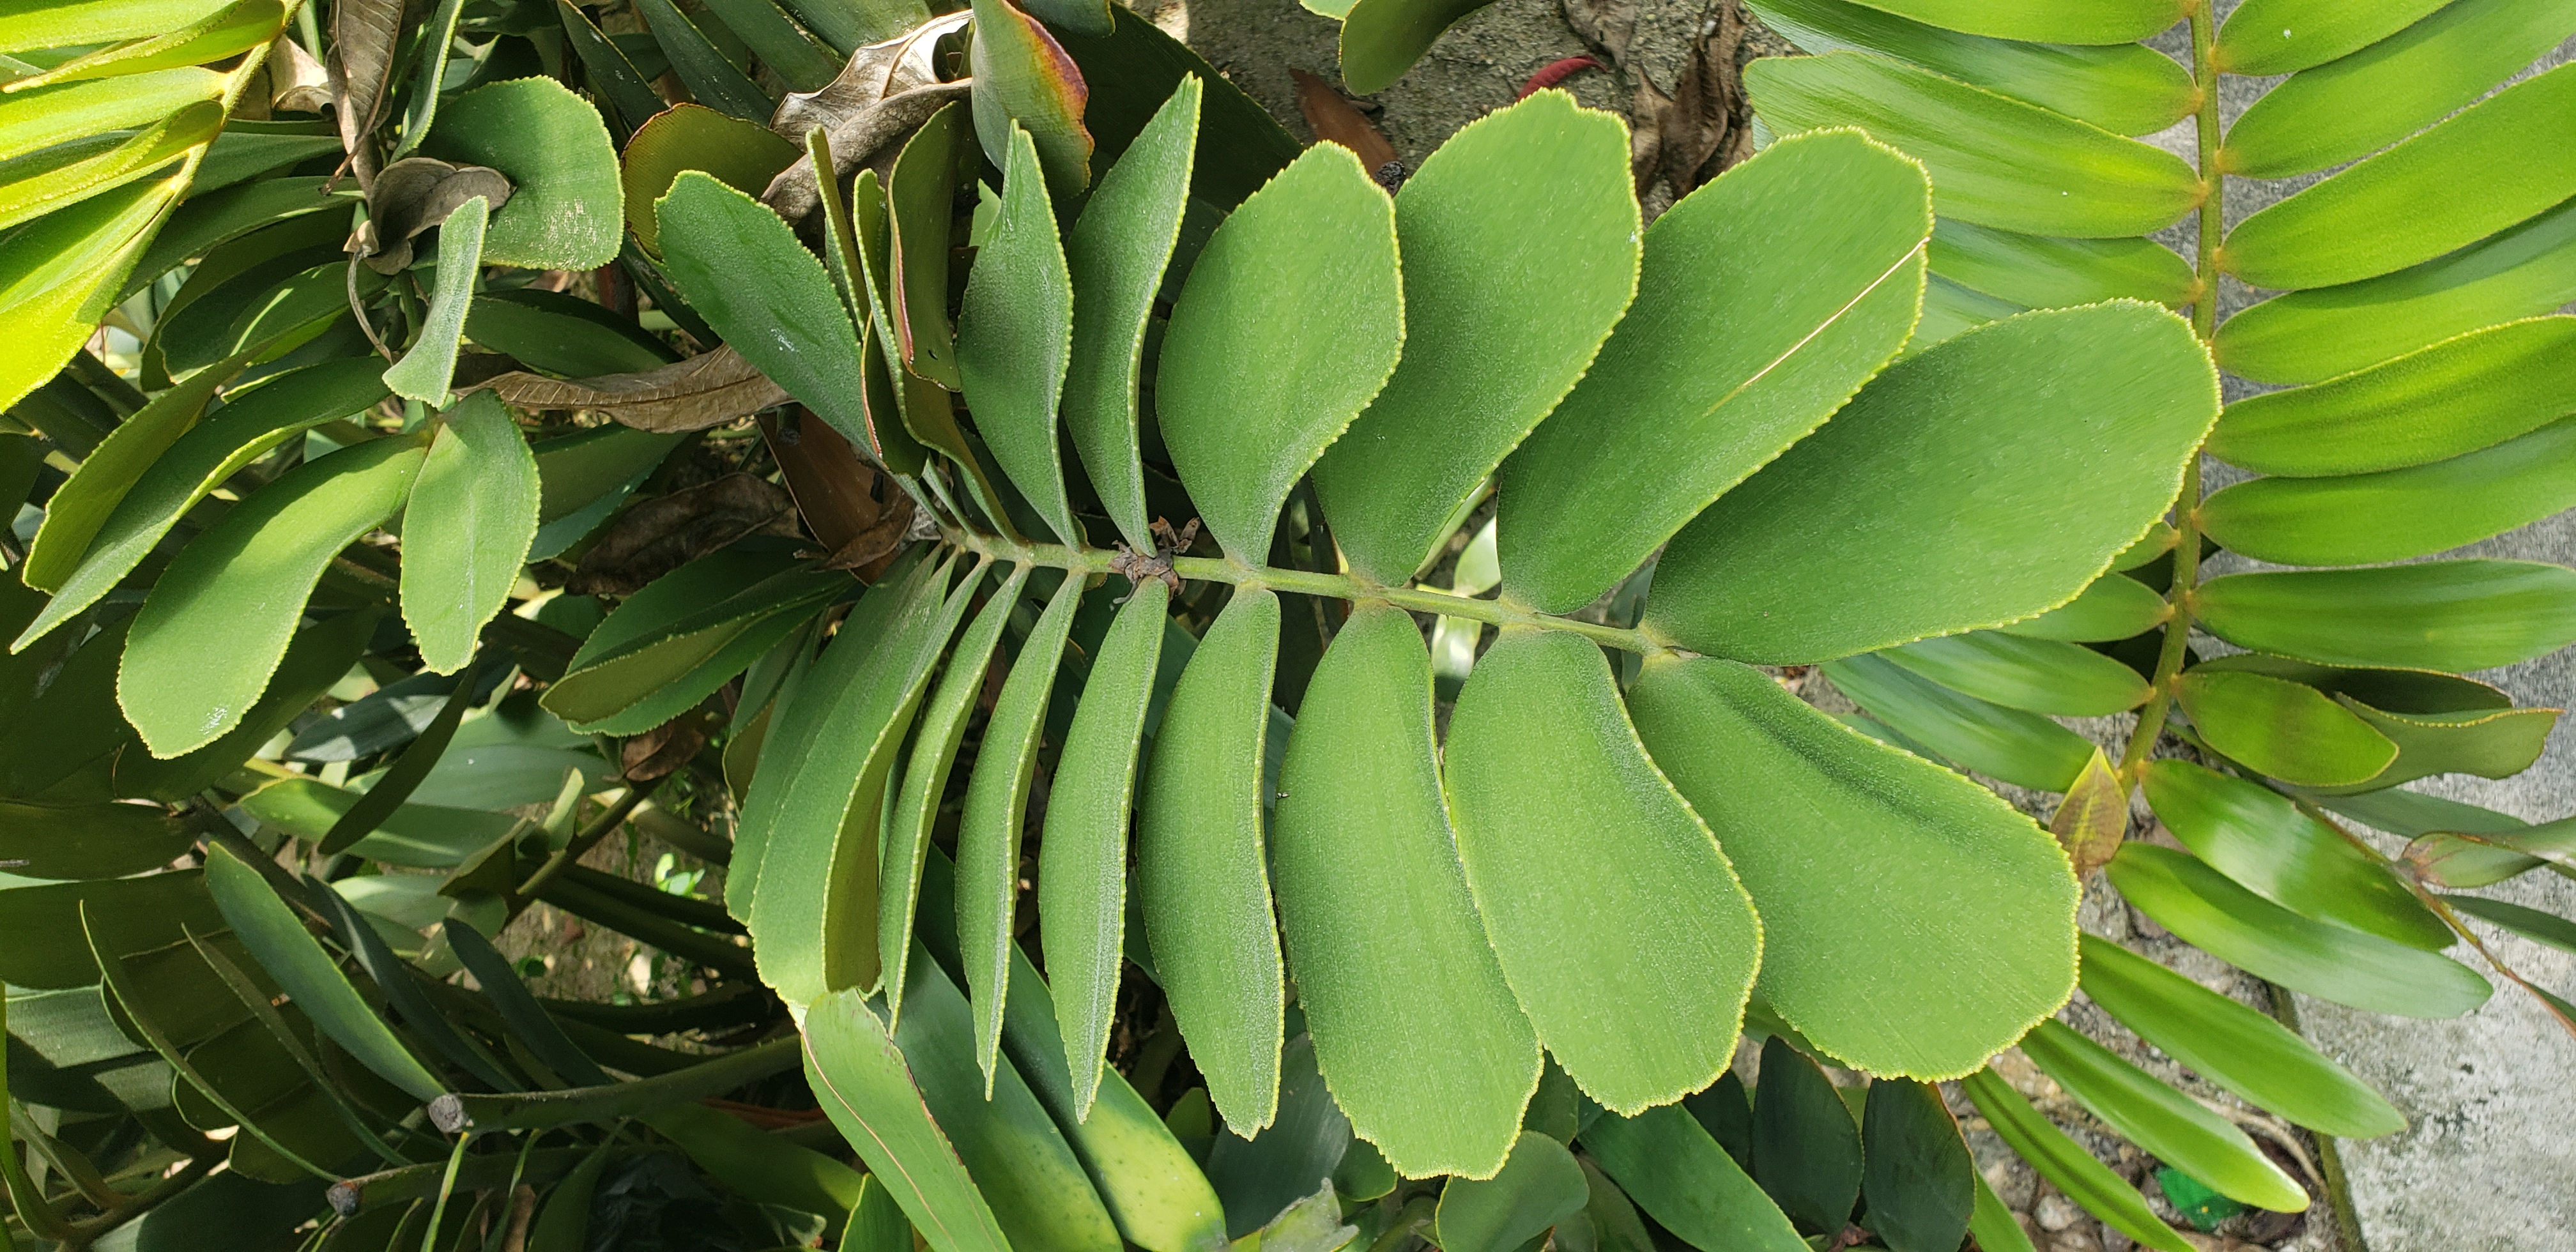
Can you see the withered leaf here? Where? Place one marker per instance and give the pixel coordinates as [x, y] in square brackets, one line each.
[663, 749]
[854, 510]
[885, 93]
[662, 534]
[365, 35]
[296, 82]
[709, 389]
[1336, 120]
[415, 193]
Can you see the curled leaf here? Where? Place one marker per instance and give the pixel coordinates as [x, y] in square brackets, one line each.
[709, 389]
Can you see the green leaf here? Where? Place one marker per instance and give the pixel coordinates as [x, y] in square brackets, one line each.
[810, 825]
[1796, 800]
[2331, 962]
[921, 190]
[1700, 384]
[613, 77]
[563, 334]
[81, 507]
[2038, 272]
[1987, 480]
[1620, 926]
[467, 528]
[2263, 841]
[1521, 229]
[2041, 675]
[1150, 1185]
[2163, 1121]
[69, 173]
[867, 1088]
[712, 80]
[313, 981]
[2443, 615]
[1920, 1183]
[1993, 1226]
[566, 210]
[251, 423]
[39, 839]
[2454, 397]
[2112, 607]
[925, 779]
[1994, 160]
[2043, 21]
[1688, 1184]
[2346, 108]
[2484, 169]
[318, 656]
[741, 155]
[1133, 72]
[1806, 1148]
[996, 811]
[2307, 336]
[2530, 923]
[398, 782]
[743, 270]
[1432, 1068]
[1117, 253]
[2065, 1163]
[798, 59]
[41, 944]
[40, 117]
[2395, 514]
[2021, 748]
[1014, 334]
[1039, 1194]
[2457, 859]
[2288, 730]
[2278, 36]
[1082, 861]
[1022, 75]
[219, 619]
[227, 30]
[1290, 322]
[213, 218]
[2122, 88]
[1258, 1180]
[684, 635]
[2232, 1045]
[1200, 873]
[58, 275]
[1381, 39]
[1539, 1186]
[30, 27]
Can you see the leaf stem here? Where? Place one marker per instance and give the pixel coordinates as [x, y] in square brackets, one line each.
[2204, 322]
[1309, 582]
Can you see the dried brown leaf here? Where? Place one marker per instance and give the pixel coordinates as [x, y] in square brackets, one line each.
[884, 94]
[662, 534]
[709, 389]
[854, 510]
[661, 750]
[365, 35]
[1335, 119]
[415, 193]
[296, 82]
[1609, 26]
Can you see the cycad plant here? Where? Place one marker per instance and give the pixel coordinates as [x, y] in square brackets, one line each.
[1078, 676]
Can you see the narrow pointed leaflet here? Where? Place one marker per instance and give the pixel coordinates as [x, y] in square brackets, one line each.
[1433, 1070]
[471, 518]
[1082, 862]
[1619, 924]
[1117, 253]
[997, 798]
[1014, 332]
[1201, 875]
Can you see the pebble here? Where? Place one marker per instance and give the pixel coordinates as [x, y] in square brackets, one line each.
[2056, 1212]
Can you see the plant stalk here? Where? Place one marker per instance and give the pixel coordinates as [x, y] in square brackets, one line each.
[2204, 322]
[1308, 582]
